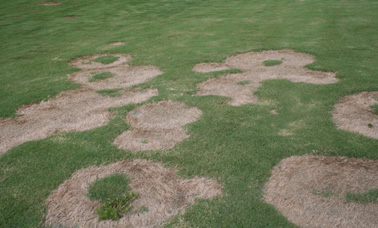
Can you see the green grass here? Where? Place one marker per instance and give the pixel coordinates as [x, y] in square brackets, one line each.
[111, 187]
[272, 62]
[237, 146]
[364, 198]
[244, 82]
[110, 92]
[375, 108]
[107, 59]
[101, 76]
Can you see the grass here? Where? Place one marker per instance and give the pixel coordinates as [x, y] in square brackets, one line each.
[272, 62]
[237, 146]
[107, 59]
[364, 198]
[110, 92]
[101, 76]
[111, 187]
[375, 108]
[244, 82]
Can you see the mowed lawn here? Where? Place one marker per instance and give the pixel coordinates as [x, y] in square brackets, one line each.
[236, 146]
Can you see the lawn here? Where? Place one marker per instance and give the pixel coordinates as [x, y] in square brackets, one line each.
[235, 145]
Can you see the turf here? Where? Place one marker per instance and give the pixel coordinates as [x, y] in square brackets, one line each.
[237, 146]
[364, 198]
[272, 62]
[101, 76]
[375, 109]
[107, 59]
[111, 187]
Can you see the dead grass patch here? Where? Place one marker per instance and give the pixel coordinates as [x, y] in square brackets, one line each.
[292, 68]
[76, 110]
[354, 113]
[160, 191]
[87, 63]
[50, 3]
[294, 182]
[156, 126]
[117, 43]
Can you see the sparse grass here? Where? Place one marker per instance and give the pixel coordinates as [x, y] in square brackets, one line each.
[238, 146]
[272, 62]
[101, 76]
[111, 187]
[107, 59]
[110, 92]
[244, 82]
[114, 209]
[375, 108]
[364, 198]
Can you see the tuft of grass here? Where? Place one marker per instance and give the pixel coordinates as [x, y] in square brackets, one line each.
[110, 92]
[375, 108]
[244, 82]
[101, 76]
[114, 209]
[107, 59]
[272, 62]
[111, 187]
[370, 196]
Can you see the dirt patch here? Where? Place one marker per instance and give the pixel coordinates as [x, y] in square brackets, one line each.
[76, 110]
[81, 109]
[354, 113]
[50, 3]
[117, 43]
[292, 68]
[156, 126]
[295, 183]
[160, 191]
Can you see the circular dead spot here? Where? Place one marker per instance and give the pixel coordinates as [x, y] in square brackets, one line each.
[310, 191]
[50, 3]
[162, 115]
[119, 43]
[76, 110]
[291, 67]
[124, 76]
[87, 62]
[354, 113]
[160, 191]
[156, 126]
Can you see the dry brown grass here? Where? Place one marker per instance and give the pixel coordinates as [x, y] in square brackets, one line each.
[160, 190]
[156, 126]
[80, 109]
[117, 43]
[50, 3]
[293, 182]
[252, 63]
[354, 113]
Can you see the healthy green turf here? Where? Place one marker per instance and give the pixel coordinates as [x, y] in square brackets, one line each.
[237, 146]
[272, 62]
[107, 59]
[101, 76]
[111, 187]
[368, 197]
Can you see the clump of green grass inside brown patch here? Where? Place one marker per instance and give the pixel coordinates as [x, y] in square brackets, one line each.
[272, 62]
[246, 82]
[101, 76]
[111, 187]
[375, 108]
[110, 92]
[370, 196]
[107, 59]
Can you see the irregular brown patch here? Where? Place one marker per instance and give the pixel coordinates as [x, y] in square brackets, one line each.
[117, 43]
[354, 113]
[76, 110]
[292, 68]
[159, 190]
[273, 111]
[87, 63]
[50, 3]
[293, 182]
[156, 126]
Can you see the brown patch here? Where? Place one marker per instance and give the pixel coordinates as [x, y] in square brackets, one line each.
[157, 126]
[76, 110]
[87, 63]
[117, 43]
[292, 68]
[160, 190]
[293, 182]
[50, 3]
[273, 111]
[80, 109]
[354, 114]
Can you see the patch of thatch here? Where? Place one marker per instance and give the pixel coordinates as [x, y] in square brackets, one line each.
[252, 63]
[117, 43]
[297, 181]
[76, 110]
[159, 190]
[156, 126]
[354, 113]
[50, 3]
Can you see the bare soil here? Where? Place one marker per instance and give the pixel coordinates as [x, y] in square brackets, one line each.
[297, 181]
[252, 63]
[160, 191]
[156, 126]
[354, 113]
